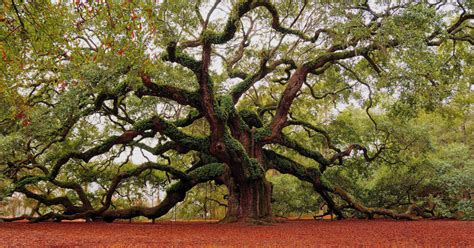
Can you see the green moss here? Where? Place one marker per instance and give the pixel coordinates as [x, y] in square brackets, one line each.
[255, 170]
[232, 144]
[224, 107]
[29, 180]
[176, 187]
[183, 59]
[325, 182]
[143, 125]
[186, 121]
[250, 118]
[242, 86]
[230, 27]
[261, 133]
[207, 159]
[199, 175]
[188, 61]
[208, 171]
[120, 89]
[190, 142]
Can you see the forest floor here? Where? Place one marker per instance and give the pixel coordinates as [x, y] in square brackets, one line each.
[302, 233]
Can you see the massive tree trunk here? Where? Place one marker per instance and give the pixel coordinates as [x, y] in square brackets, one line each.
[249, 193]
[249, 201]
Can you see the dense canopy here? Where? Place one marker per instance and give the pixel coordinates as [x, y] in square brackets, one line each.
[367, 103]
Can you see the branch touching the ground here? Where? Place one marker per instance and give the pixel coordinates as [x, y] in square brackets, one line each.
[176, 193]
[323, 187]
[366, 210]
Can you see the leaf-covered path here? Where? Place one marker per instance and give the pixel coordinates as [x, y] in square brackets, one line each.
[197, 234]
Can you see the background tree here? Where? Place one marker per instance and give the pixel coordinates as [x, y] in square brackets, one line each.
[221, 91]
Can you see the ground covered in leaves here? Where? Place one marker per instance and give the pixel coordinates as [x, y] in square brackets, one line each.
[196, 234]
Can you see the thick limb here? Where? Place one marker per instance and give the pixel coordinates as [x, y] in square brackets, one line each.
[323, 187]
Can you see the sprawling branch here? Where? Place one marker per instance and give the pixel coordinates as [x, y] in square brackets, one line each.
[316, 129]
[181, 96]
[244, 7]
[315, 155]
[367, 210]
[238, 90]
[322, 186]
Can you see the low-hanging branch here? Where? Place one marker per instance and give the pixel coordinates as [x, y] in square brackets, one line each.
[313, 176]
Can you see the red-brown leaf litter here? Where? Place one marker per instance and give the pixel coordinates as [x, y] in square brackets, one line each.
[302, 233]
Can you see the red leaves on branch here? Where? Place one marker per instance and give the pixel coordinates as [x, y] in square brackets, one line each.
[23, 119]
[20, 116]
[25, 123]
[4, 56]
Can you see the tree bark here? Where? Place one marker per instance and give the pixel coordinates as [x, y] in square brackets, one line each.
[249, 201]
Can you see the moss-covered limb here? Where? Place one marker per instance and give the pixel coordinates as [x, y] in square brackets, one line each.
[322, 60]
[12, 219]
[315, 155]
[324, 163]
[176, 193]
[126, 137]
[24, 181]
[238, 54]
[181, 96]
[118, 179]
[190, 119]
[62, 200]
[243, 7]
[330, 202]
[207, 172]
[157, 150]
[250, 118]
[156, 166]
[20, 186]
[86, 109]
[341, 154]
[240, 163]
[76, 187]
[204, 159]
[287, 70]
[32, 219]
[182, 140]
[262, 110]
[322, 186]
[288, 166]
[69, 207]
[316, 129]
[366, 210]
[453, 29]
[309, 174]
[224, 108]
[239, 89]
[175, 54]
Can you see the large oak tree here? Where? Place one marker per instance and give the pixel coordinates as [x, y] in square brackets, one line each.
[223, 84]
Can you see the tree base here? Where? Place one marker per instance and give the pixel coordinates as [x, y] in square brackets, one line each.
[249, 220]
